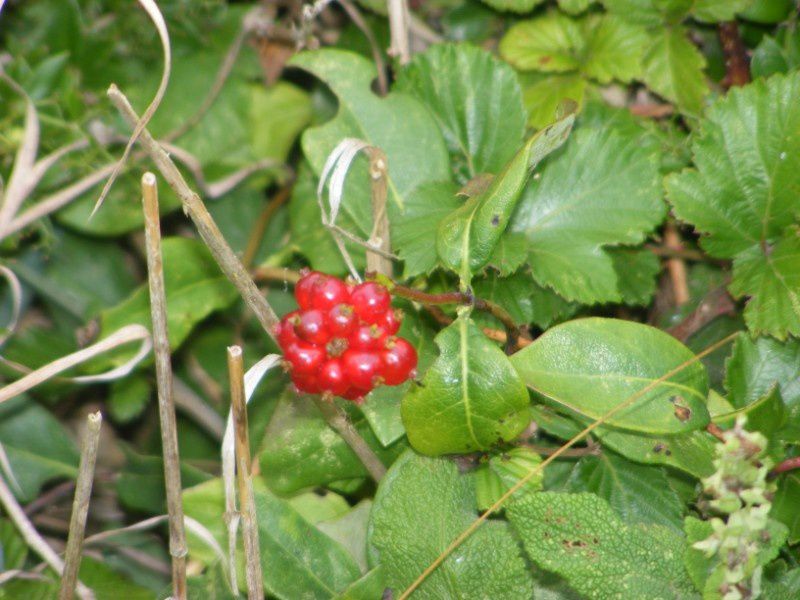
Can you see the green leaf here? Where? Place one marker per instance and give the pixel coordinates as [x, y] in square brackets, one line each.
[129, 397]
[580, 537]
[414, 235]
[785, 503]
[301, 451]
[469, 399]
[350, 530]
[518, 6]
[421, 506]
[603, 189]
[509, 254]
[714, 11]
[468, 236]
[398, 124]
[37, 446]
[476, 100]
[673, 68]
[13, 549]
[603, 48]
[299, 561]
[545, 94]
[316, 507]
[511, 293]
[742, 196]
[780, 54]
[574, 7]
[194, 285]
[648, 12]
[589, 366]
[639, 494]
[636, 269]
[369, 587]
[503, 470]
[211, 585]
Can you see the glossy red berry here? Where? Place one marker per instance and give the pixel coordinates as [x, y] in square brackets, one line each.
[328, 292]
[304, 358]
[390, 321]
[286, 332]
[399, 361]
[332, 378]
[355, 395]
[368, 337]
[307, 383]
[312, 326]
[362, 368]
[341, 320]
[304, 289]
[371, 301]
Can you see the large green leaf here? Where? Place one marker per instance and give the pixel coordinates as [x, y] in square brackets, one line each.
[756, 365]
[298, 560]
[476, 100]
[543, 94]
[673, 68]
[194, 285]
[469, 399]
[501, 471]
[468, 236]
[639, 494]
[519, 6]
[603, 189]
[580, 537]
[784, 506]
[37, 446]
[742, 196]
[780, 54]
[301, 451]
[713, 11]
[590, 366]
[422, 505]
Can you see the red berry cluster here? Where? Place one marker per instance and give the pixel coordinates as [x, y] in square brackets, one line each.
[342, 340]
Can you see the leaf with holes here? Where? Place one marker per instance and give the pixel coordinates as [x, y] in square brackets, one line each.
[470, 398]
[591, 366]
[742, 196]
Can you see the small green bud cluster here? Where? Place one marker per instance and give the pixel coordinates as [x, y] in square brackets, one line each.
[741, 494]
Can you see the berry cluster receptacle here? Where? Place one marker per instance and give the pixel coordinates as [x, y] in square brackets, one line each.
[341, 341]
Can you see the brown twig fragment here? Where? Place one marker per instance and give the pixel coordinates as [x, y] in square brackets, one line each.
[399, 25]
[737, 67]
[379, 238]
[676, 267]
[716, 303]
[80, 506]
[227, 260]
[716, 431]
[164, 385]
[247, 507]
[338, 420]
[790, 464]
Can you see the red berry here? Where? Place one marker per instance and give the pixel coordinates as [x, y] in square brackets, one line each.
[355, 394]
[332, 378]
[304, 358]
[328, 292]
[368, 337]
[341, 320]
[306, 383]
[286, 333]
[399, 361]
[312, 326]
[370, 301]
[304, 289]
[361, 368]
[391, 321]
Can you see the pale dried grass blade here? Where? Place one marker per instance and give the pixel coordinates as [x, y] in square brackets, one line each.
[16, 302]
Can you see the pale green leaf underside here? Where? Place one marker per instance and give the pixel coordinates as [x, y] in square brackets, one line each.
[589, 366]
[470, 398]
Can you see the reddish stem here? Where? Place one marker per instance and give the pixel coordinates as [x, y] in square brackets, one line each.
[736, 64]
[790, 464]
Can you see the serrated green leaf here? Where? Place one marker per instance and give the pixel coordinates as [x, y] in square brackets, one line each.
[421, 506]
[636, 270]
[603, 189]
[639, 494]
[648, 12]
[470, 398]
[545, 94]
[518, 6]
[511, 293]
[574, 7]
[589, 366]
[194, 285]
[579, 537]
[301, 451]
[467, 237]
[673, 68]
[714, 11]
[509, 254]
[476, 100]
[502, 471]
[785, 503]
[780, 54]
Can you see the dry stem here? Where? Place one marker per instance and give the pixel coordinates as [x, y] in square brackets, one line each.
[80, 506]
[379, 238]
[247, 507]
[399, 23]
[676, 266]
[166, 404]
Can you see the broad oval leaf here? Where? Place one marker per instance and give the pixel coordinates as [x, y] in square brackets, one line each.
[590, 366]
[421, 506]
[470, 399]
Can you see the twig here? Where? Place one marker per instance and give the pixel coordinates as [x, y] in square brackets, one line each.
[737, 69]
[676, 266]
[166, 405]
[790, 464]
[715, 304]
[379, 238]
[80, 506]
[230, 265]
[398, 29]
[591, 449]
[32, 538]
[247, 507]
[280, 274]
[51, 497]
[260, 226]
[377, 56]
[338, 420]
[715, 430]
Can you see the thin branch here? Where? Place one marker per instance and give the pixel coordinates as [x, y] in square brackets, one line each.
[247, 507]
[32, 538]
[676, 267]
[80, 506]
[790, 464]
[716, 303]
[166, 404]
[280, 274]
[716, 431]
[399, 23]
[737, 68]
[591, 449]
[379, 238]
[230, 265]
[665, 251]
[337, 419]
[377, 55]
